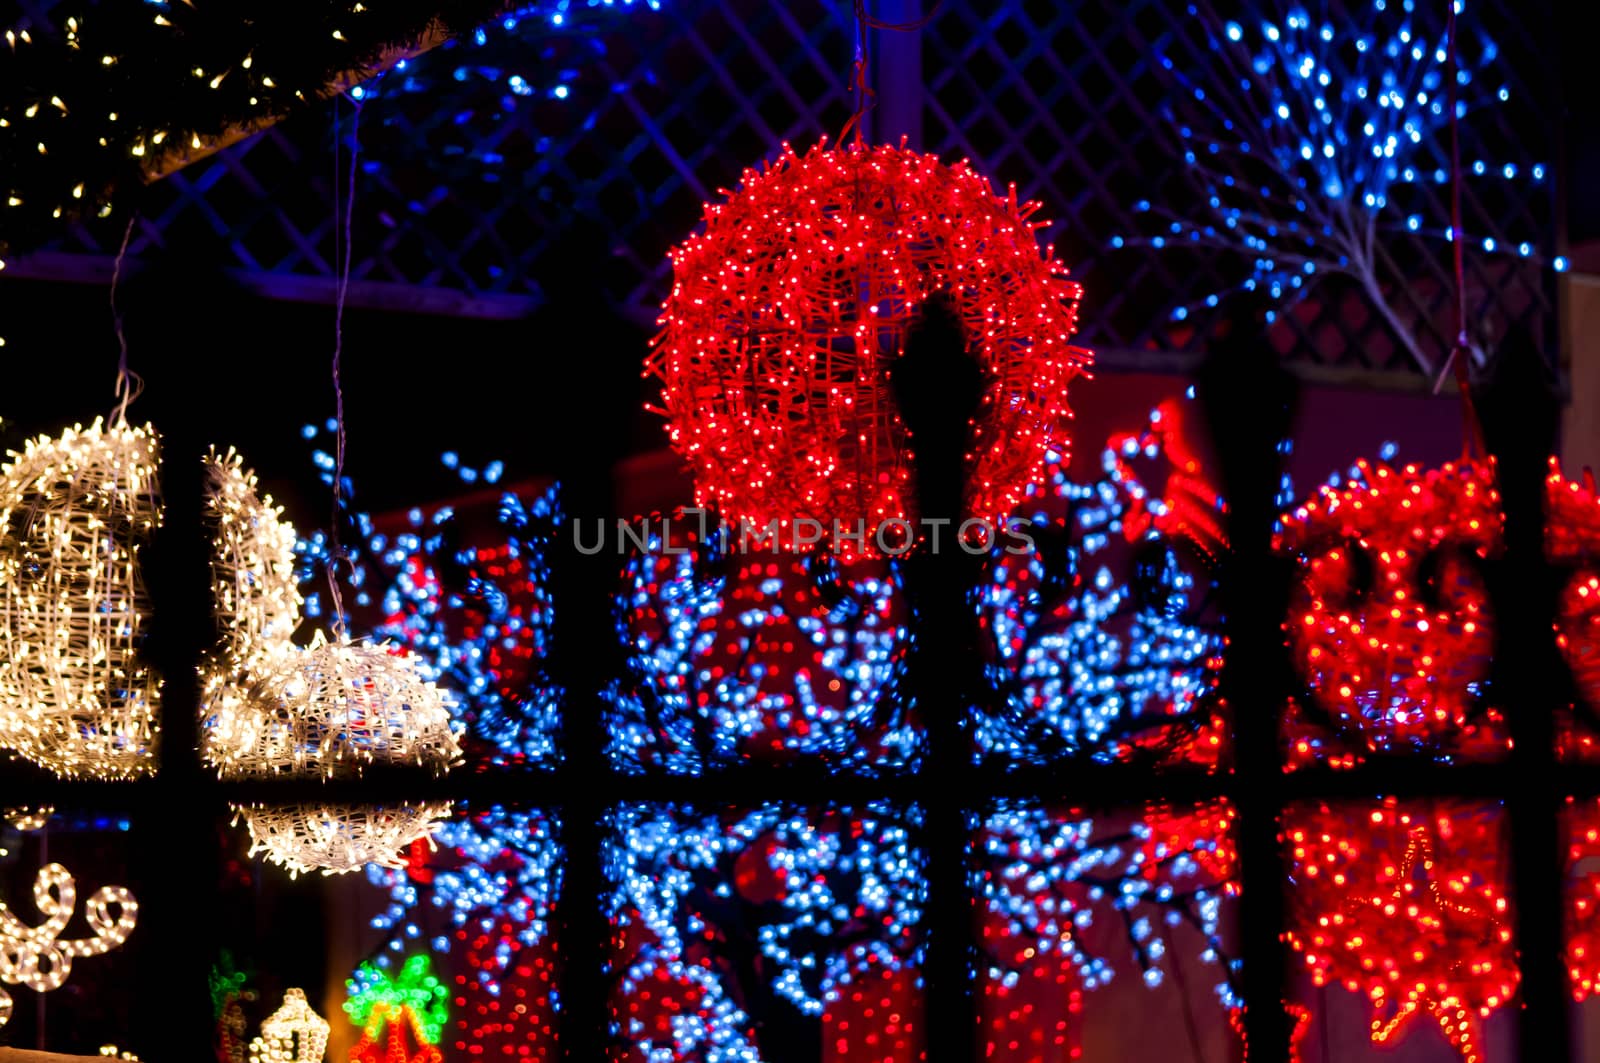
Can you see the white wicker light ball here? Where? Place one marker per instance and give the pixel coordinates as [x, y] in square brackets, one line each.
[75, 511]
[292, 1034]
[331, 710]
[338, 839]
[334, 708]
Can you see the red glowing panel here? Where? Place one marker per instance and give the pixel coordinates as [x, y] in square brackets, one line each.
[791, 305]
[1406, 904]
[1389, 623]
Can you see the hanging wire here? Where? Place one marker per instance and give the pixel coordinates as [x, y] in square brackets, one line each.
[342, 257]
[1459, 358]
[859, 82]
[129, 384]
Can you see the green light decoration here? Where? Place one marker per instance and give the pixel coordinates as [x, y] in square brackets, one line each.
[226, 982]
[375, 997]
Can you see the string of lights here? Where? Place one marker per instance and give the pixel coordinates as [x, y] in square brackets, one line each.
[1312, 137]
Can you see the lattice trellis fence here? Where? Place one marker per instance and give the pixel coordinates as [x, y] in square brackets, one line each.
[466, 185]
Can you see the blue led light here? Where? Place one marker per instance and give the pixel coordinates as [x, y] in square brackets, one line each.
[1359, 126]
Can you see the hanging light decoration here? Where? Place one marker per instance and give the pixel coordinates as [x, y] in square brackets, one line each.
[788, 312]
[334, 708]
[255, 596]
[331, 710]
[292, 1034]
[338, 839]
[76, 696]
[36, 956]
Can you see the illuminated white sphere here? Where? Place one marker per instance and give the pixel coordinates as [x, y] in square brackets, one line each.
[337, 839]
[292, 1034]
[76, 695]
[331, 710]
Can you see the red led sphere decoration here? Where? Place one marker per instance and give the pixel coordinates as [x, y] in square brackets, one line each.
[1389, 623]
[788, 312]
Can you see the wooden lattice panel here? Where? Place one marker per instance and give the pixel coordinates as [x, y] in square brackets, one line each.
[466, 185]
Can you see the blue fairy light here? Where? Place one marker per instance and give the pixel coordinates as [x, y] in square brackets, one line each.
[1331, 124]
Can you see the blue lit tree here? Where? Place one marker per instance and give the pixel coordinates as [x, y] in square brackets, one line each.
[747, 919]
[496, 869]
[1313, 137]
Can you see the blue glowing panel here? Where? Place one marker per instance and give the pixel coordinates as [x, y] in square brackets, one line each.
[757, 658]
[775, 933]
[1100, 641]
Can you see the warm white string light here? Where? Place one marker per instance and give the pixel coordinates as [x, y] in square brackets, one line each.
[334, 708]
[292, 1034]
[331, 710]
[75, 511]
[338, 839]
[36, 956]
[28, 818]
[256, 599]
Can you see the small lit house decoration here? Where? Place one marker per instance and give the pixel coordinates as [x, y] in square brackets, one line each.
[1389, 622]
[76, 697]
[401, 1018]
[36, 956]
[790, 307]
[329, 711]
[1405, 903]
[256, 598]
[292, 1034]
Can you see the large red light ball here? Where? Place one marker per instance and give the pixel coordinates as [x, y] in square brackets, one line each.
[791, 305]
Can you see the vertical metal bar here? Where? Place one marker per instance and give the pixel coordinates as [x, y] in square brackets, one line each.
[937, 389]
[1247, 397]
[897, 73]
[174, 837]
[1519, 415]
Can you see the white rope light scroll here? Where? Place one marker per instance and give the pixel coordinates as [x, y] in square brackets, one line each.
[36, 956]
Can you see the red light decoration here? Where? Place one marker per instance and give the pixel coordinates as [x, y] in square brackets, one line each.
[1581, 822]
[1389, 622]
[1406, 904]
[394, 1034]
[1572, 540]
[789, 309]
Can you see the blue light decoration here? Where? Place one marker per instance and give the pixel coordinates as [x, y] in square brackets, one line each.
[1072, 903]
[467, 594]
[757, 657]
[731, 927]
[1311, 137]
[509, 52]
[1100, 642]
